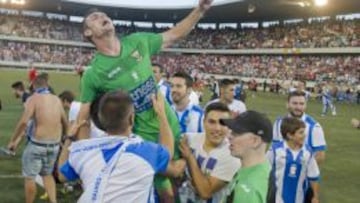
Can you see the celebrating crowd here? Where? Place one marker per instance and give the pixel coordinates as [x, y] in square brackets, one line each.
[328, 33]
[136, 137]
[44, 53]
[340, 68]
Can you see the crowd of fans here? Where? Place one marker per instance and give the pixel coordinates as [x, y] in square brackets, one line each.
[341, 68]
[43, 53]
[299, 35]
[36, 27]
[328, 33]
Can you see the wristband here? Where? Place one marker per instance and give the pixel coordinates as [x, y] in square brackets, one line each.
[71, 138]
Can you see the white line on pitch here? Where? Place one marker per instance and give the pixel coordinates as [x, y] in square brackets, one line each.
[10, 176]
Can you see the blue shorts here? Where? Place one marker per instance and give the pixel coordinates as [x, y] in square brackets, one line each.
[39, 158]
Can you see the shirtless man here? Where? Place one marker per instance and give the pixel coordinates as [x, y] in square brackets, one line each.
[41, 151]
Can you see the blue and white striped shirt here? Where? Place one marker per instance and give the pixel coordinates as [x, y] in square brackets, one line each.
[191, 119]
[165, 89]
[314, 134]
[131, 179]
[291, 170]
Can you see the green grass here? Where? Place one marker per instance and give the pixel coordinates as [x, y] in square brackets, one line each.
[340, 173]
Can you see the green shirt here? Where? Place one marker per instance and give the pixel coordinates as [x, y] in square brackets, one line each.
[130, 71]
[249, 185]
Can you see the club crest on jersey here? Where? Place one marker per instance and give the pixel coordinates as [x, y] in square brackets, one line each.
[136, 55]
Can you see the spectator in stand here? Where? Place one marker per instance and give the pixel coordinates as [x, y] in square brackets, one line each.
[329, 33]
[338, 68]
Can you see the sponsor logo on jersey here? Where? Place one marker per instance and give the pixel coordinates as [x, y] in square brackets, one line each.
[141, 95]
[136, 55]
[114, 72]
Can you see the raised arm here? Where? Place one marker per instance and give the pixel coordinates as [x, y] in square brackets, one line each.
[185, 26]
[64, 154]
[84, 114]
[166, 137]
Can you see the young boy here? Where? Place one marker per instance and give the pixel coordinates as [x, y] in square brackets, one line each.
[293, 164]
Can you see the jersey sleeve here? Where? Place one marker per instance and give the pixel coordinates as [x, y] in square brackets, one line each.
[155, 154]
[88, 92]
[68, 171]
[313, 171]
[318, 138]
[270, 155]
[226, 168]
[164, 91]
[276, 130]
[201, 123]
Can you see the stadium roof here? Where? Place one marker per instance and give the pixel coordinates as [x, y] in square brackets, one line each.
[234, 11]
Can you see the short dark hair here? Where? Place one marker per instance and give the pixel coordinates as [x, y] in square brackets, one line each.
[40, 81]
[67, 96]
[296, 94]
[161, 67]
[290, 125]
[226, 82]
[188, 79]
[84, 25]
[114, 110]
[216, 106]
[18, 85]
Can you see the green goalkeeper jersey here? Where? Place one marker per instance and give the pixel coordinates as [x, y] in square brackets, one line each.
[131, 71]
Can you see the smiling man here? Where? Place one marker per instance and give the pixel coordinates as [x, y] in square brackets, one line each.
[190, 115]
[208, 158]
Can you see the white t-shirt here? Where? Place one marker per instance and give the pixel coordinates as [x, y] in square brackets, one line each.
[218, 163]
[73, 114]
[194, 98]
[236, 106]
[131, 179]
